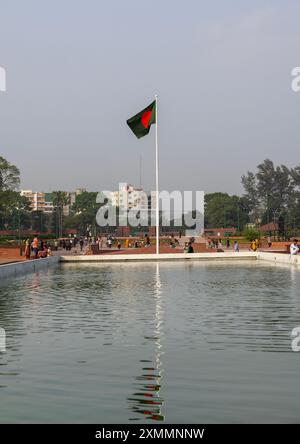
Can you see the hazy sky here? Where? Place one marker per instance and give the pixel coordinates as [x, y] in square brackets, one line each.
[76, 70]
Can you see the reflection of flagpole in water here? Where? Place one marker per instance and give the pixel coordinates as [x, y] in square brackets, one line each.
[158, 334]
[158, 330]
[148, 401]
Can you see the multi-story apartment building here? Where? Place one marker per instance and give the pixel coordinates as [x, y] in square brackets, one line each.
[129, 197]
[72, 198]
[49, 208]
[36, 199]
[40, 201]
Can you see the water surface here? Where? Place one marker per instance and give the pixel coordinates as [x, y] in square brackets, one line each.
[149, 343]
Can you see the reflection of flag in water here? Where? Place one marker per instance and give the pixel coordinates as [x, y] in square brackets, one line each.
[147, 401]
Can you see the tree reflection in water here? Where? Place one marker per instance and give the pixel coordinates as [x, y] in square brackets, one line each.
[146, 401]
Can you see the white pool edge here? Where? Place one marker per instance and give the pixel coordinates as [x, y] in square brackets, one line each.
[15, 269]
[160, 257]
[279, 258]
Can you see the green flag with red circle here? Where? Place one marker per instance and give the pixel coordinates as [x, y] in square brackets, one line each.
[140, 123]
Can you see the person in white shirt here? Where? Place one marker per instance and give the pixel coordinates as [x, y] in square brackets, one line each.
[294, 248]
[236, 247]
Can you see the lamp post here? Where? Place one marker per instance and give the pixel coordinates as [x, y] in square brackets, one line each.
[18, 208]
[20, 240]
[19, 220]
[238, 216]
[258, 222]
[274, 222]
[41, 222]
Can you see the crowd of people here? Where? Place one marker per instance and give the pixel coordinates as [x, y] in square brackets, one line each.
[109, 241]
[222, 244]
[255, 244]
[37, 248]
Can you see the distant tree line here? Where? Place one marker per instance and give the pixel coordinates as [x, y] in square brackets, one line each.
[13, 207]
[271, 194]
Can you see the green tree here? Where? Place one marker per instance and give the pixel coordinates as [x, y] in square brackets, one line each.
[251, 234]
[20, 215]
[39, 221]
[271, 193]
[9, 183]
[293, 219]
[84, 212]
[251, 200]
[223, 210]
[9, 176]
[273, 186]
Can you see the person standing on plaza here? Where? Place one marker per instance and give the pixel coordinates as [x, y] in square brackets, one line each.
[236, 247]
[35, 246]
[27, 248]
[269, 241]
[190, 248]
[294, 248]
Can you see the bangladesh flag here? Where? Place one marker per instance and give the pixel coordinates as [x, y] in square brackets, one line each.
[141, 122]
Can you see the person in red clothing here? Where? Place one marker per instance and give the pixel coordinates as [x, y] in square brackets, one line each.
[27, 248]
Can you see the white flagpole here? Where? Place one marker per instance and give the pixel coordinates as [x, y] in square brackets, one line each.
[156, 156]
